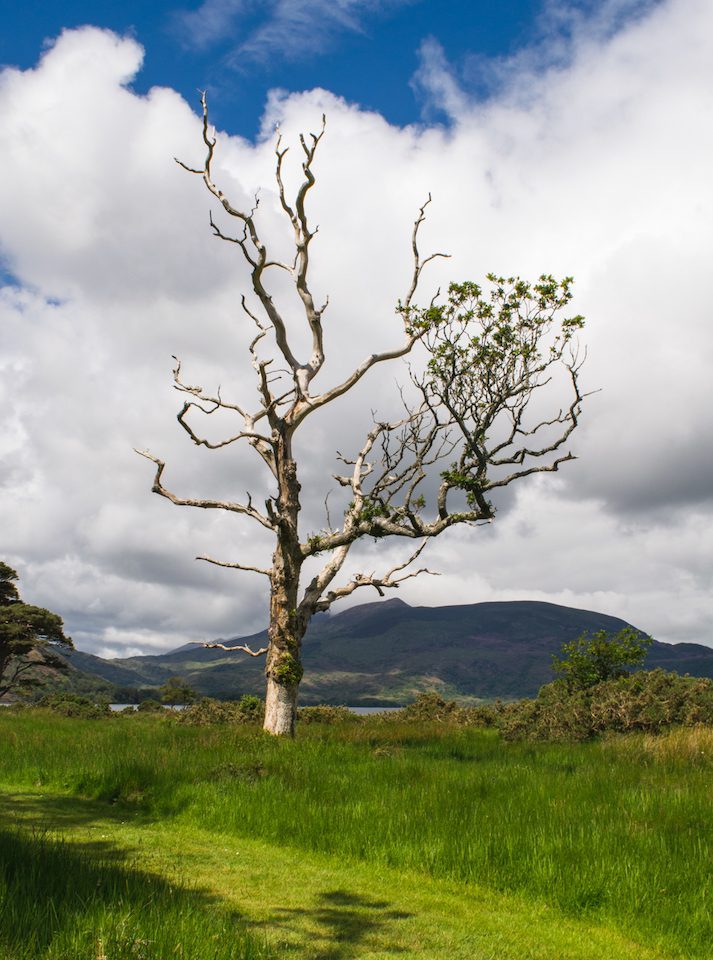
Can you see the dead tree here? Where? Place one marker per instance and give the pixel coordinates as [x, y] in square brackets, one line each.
[487, 352]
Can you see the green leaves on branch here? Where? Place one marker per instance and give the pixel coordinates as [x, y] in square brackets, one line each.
[489, 349]
[507, 313]
[503, 330]
[592, 659]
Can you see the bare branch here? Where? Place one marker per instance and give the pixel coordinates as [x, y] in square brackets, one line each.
[418, 264]
[412, 335]
[236, 566]
[247, 509]
[389, 580]
[202, 442]
[242, 647]
[251, 245]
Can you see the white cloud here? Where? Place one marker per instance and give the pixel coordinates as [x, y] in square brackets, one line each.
[293, 29]
[210, 22]
[599, 169]
[562, 32]
[436, 83]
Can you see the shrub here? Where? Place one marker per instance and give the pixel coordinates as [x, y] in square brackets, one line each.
[252, 707]
[326, 714]
[648, 701]
[432, 708]
[150, 706]
[74, 705]
[177, 690]
[249, 709]
[594, 658]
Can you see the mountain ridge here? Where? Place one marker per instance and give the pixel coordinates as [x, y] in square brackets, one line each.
[386, 652]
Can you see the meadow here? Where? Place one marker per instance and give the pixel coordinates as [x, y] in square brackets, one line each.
[356, 840]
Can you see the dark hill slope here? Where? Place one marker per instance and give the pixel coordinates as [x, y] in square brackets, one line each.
[388, 651]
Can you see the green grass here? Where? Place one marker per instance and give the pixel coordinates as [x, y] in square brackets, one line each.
[613, 835]
[58, 902]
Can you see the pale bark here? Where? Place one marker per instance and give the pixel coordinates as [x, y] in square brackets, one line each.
[280, 708]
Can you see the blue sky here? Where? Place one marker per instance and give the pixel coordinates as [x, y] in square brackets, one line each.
[367, 51]
[573, 138]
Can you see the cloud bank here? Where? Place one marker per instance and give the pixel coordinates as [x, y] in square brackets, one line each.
[598, 167]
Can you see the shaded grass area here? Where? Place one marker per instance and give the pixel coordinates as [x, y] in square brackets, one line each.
[59, 902]
[315, 907]
[612, 832]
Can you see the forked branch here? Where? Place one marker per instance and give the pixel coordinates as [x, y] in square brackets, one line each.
[390, 580]
[206, 504]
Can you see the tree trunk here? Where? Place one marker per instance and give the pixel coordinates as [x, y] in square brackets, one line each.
[283, 667]
[280, 708]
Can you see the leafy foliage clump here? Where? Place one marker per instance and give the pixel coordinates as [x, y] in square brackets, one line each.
[595, 693]
[326, 714]
[249, 709]
[432, 708]
[177, 690]
[592, 659]
[75, 705]
[648, 701]
[150, 705]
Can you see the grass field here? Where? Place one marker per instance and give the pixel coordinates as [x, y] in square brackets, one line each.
[361, 841]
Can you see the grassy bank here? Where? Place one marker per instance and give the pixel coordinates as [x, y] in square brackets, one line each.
[614, 833]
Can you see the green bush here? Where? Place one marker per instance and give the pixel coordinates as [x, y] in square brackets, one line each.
[594, 658]
[326, 714]
[432, 708]
[249, 709]
[177, 690]
[74, 705]
[150, 706]
[252, 707]
[648, 701]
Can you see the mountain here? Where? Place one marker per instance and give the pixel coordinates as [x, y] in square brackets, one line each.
[387, 652]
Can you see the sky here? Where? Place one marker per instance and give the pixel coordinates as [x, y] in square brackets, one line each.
[571, 138]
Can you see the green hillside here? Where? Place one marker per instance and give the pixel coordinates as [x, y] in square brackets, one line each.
[387, 652]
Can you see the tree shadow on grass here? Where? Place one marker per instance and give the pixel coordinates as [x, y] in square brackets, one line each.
[61, 899]
[342, 922]
[45, 815]
[333, 925]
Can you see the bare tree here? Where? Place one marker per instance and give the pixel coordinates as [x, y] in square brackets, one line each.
[487, 354]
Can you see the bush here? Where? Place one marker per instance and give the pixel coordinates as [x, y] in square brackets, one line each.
[74, 705]
[249, 709]
[594, 658]
[648, 701]
[252, 707]
[432, 708]
[326, 714]
[150, 706]
[177, 690]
